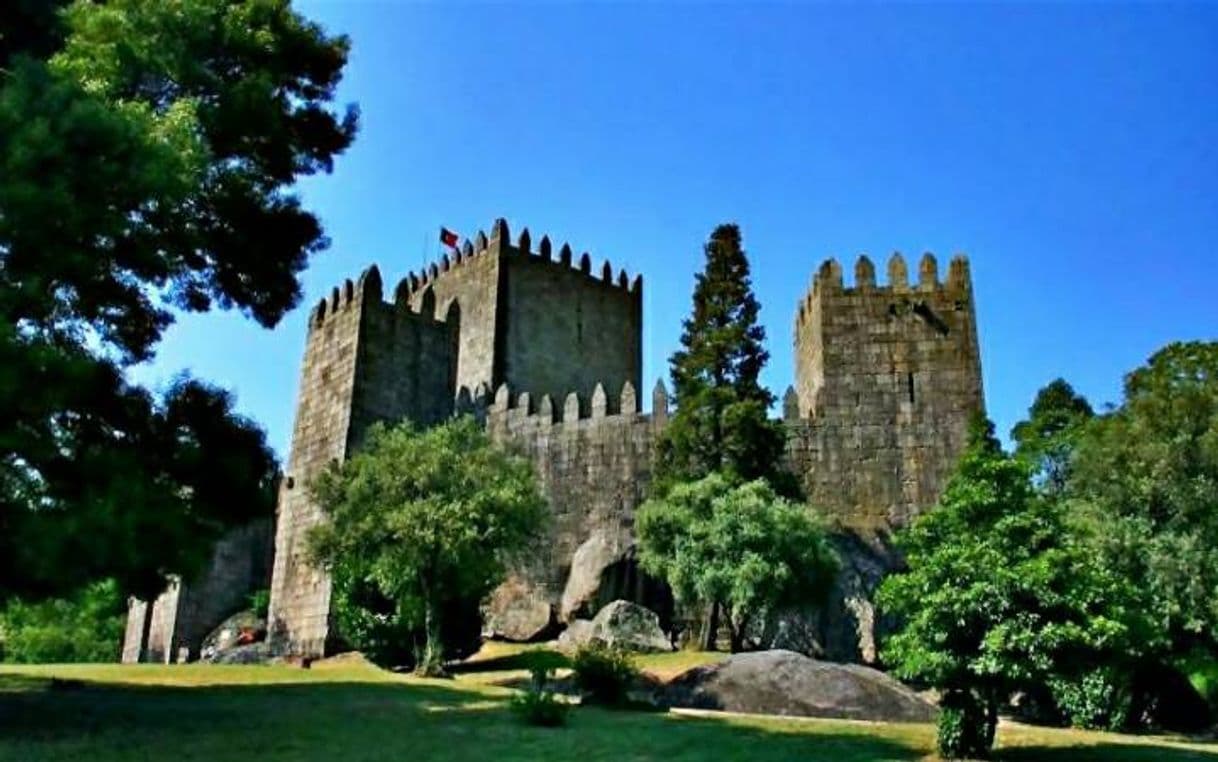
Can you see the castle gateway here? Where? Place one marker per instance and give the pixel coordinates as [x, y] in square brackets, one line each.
[546, 349]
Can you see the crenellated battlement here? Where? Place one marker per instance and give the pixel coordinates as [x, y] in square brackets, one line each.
[546, 411]
[829, 281]
[499, 244]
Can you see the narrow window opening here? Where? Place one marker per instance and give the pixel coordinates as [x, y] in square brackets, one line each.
[909, 384]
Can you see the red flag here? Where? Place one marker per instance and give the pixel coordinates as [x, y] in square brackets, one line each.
[448, 237]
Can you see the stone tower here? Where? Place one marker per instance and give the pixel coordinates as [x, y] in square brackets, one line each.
[364, 361]
[492, 316]
[887, 379]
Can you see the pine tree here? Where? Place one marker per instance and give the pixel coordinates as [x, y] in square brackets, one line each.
[722, 423]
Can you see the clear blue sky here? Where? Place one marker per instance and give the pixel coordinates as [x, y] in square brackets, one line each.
[1068, 150]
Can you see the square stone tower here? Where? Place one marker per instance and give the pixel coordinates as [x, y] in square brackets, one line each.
[887, 379]
[538, 323]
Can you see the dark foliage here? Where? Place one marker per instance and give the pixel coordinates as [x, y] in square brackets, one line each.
[722, 423]
[147, 152]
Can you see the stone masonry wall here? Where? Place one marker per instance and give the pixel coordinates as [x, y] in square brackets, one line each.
[364, 361]
[566, 329]
[469, 283]
[888, 380]
[160, 630]
[594, 469]
[186, 612]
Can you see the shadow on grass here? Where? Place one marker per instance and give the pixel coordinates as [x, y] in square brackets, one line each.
[376, 721]
[543, 658]
[1104, 752]
[42, 721]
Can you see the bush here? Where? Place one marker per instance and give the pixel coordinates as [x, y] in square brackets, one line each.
[85, 628]
[538, 706]
[603, 674]
[1097, 700]
[1201, 667]
[391, 635]
[964, 730]
[260, 602]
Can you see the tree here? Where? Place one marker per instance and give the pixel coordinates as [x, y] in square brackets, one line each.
[1001, 594]
[1049, 436]
[1147, 477]
[88, 627]
[162, 140]
[740, 547]
[721, 424]
[422, 518]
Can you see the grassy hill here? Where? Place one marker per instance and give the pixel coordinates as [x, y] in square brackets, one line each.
[345, 709]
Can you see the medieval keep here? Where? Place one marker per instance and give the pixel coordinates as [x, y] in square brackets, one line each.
[546, 348]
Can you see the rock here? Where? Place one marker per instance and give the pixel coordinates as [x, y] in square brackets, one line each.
[254, 653]
[791, 684]
[621, 624]
[578, 632]
[846, 628]
[519, 612]
[241, 629]
[588, 564]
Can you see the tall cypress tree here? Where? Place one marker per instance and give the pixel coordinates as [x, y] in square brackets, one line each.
[721, 422]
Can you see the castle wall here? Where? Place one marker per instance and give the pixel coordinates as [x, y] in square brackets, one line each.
[889, 377]
[471, 282]
[594, 470]
[187, 612]
[300, 595]
[567, 329]
[364, 361]
[160, 630]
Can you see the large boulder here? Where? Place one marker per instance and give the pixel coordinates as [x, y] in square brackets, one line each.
[253, 653]
[241, 629]
[621, 624]
[791, 684]
[592, 558]
[847, 627]
[519, 611]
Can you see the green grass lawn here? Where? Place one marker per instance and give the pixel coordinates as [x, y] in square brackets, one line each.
[347, 710]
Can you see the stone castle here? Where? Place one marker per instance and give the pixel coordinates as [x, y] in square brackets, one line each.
[546, 349]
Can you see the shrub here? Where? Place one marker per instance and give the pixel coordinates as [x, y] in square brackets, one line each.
[538, 706]
[603, 674]
[964, 730]
[87, 627]
[1097, 700]
[260, 602]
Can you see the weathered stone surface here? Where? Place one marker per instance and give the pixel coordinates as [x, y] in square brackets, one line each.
[791, 684]
[255, 653]
[243, 626]
[887, 377]
[578, 632]
[847, 627]
[183, 615]
[518, 612]
[592, 558]
[621, 624]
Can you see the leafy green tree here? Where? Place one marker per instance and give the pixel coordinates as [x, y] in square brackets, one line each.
[1146, 475]
[743, 548]
[147, 154]
[1001, 594]
[721, 423]
[1049, 437]
[88, 627]
[421, 518]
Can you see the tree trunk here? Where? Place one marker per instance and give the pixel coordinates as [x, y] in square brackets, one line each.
[710, 633]
[432, 663]
[146, 633]
[738, 629]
